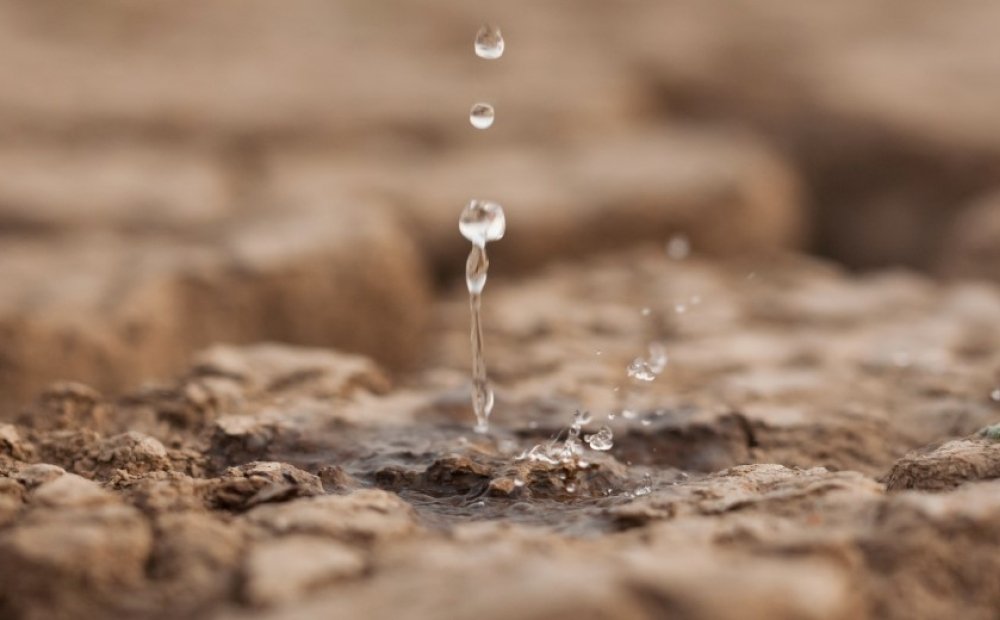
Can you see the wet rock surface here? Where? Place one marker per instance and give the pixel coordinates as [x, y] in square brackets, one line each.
[818, 442]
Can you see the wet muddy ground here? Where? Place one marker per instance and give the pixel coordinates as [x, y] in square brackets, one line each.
[814, 442]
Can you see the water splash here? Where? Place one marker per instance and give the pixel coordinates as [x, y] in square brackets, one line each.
[481, 221]
[481, 115]
[570, 450]
[489, 43]
[602, 440]
[648, 368]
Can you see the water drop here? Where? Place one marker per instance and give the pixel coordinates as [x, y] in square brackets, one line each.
[646, 311]
[680, 308]
[601, 440]
[628, 414]
[489, 43]
[481, 115]
[657, 360]
[482, 221]
[640, 370]
[571, 488]
[645, 422]
[995, 395]
[678, 247]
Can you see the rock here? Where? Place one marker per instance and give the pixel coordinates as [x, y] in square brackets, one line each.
[948, 466]
[71, 491]
[35, 475]
[12, 445]
[972, 244]
[262, 482]
[923, 544]
[729, 195]
[286, 278]
[74, 561]
[195, 558]
[362, 516]
[835, 85]
[288, 568]
[260, 369]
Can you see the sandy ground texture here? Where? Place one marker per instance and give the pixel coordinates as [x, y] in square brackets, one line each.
[816, 446]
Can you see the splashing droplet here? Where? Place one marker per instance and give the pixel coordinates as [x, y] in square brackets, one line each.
[657, 360]
[481, 115]
[640, 370]
[647, 369]
[489, 42]
[602, 440]
[678, 247]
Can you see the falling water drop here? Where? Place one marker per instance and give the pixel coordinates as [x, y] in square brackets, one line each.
[481, 115]
[481, 221]
[489, 42]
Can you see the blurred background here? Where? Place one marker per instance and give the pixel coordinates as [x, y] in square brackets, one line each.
[174, 174]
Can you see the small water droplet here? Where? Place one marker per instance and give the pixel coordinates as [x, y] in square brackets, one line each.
[640, 370]
[995, 395]
[571, 488]
[657, 360]
[646, 311]
[678, 247]
[645, 422]
[489, 43]
[680, 308]
[481, 115]
[601, 440]
[628, 414]
[482, 221]
[611, 416]
[518, 482]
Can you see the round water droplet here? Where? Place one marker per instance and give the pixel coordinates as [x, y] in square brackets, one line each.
[482, 221]
[995, 395]
[678, 247]
[601, 440]
[646, 311]
[481, 115]
[489, 42]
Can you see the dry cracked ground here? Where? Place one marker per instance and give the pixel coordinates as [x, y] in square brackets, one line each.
[820, 444]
